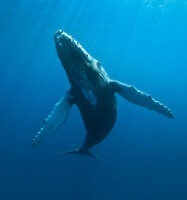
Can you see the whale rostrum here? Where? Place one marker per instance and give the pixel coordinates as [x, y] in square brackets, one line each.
[93, 92]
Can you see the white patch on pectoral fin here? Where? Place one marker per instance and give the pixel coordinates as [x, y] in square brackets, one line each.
[55, 119]
[133, 95]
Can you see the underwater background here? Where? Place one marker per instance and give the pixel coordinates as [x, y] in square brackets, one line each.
[139, 42]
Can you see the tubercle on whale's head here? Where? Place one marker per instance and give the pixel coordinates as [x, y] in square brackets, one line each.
[62, 38]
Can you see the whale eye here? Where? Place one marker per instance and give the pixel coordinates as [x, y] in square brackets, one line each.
[98, 64]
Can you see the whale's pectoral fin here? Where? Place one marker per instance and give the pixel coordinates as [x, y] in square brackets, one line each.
[55, 119]
[133, 95]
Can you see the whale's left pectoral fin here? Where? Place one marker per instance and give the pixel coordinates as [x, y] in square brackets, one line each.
[55, 119]
[133, 95]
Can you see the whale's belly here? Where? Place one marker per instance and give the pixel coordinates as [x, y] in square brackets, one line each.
[98, 110]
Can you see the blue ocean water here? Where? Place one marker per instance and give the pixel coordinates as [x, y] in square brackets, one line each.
[139, 42]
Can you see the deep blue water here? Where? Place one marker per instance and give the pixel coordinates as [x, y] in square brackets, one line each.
[139, 42]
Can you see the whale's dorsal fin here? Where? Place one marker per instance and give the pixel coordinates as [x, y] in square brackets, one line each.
[133, 95]
[55, 119]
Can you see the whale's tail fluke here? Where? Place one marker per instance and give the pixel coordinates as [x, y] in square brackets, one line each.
[79, 151]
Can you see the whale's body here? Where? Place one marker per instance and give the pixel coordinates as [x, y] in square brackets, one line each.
[93, 92]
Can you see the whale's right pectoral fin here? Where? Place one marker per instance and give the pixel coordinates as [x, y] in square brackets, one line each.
[55, 119]
[133, 95]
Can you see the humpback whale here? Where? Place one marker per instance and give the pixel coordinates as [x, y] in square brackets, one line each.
[93, 92]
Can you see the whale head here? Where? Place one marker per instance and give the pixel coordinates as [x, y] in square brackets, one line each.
[83, 71]
[74, 58]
